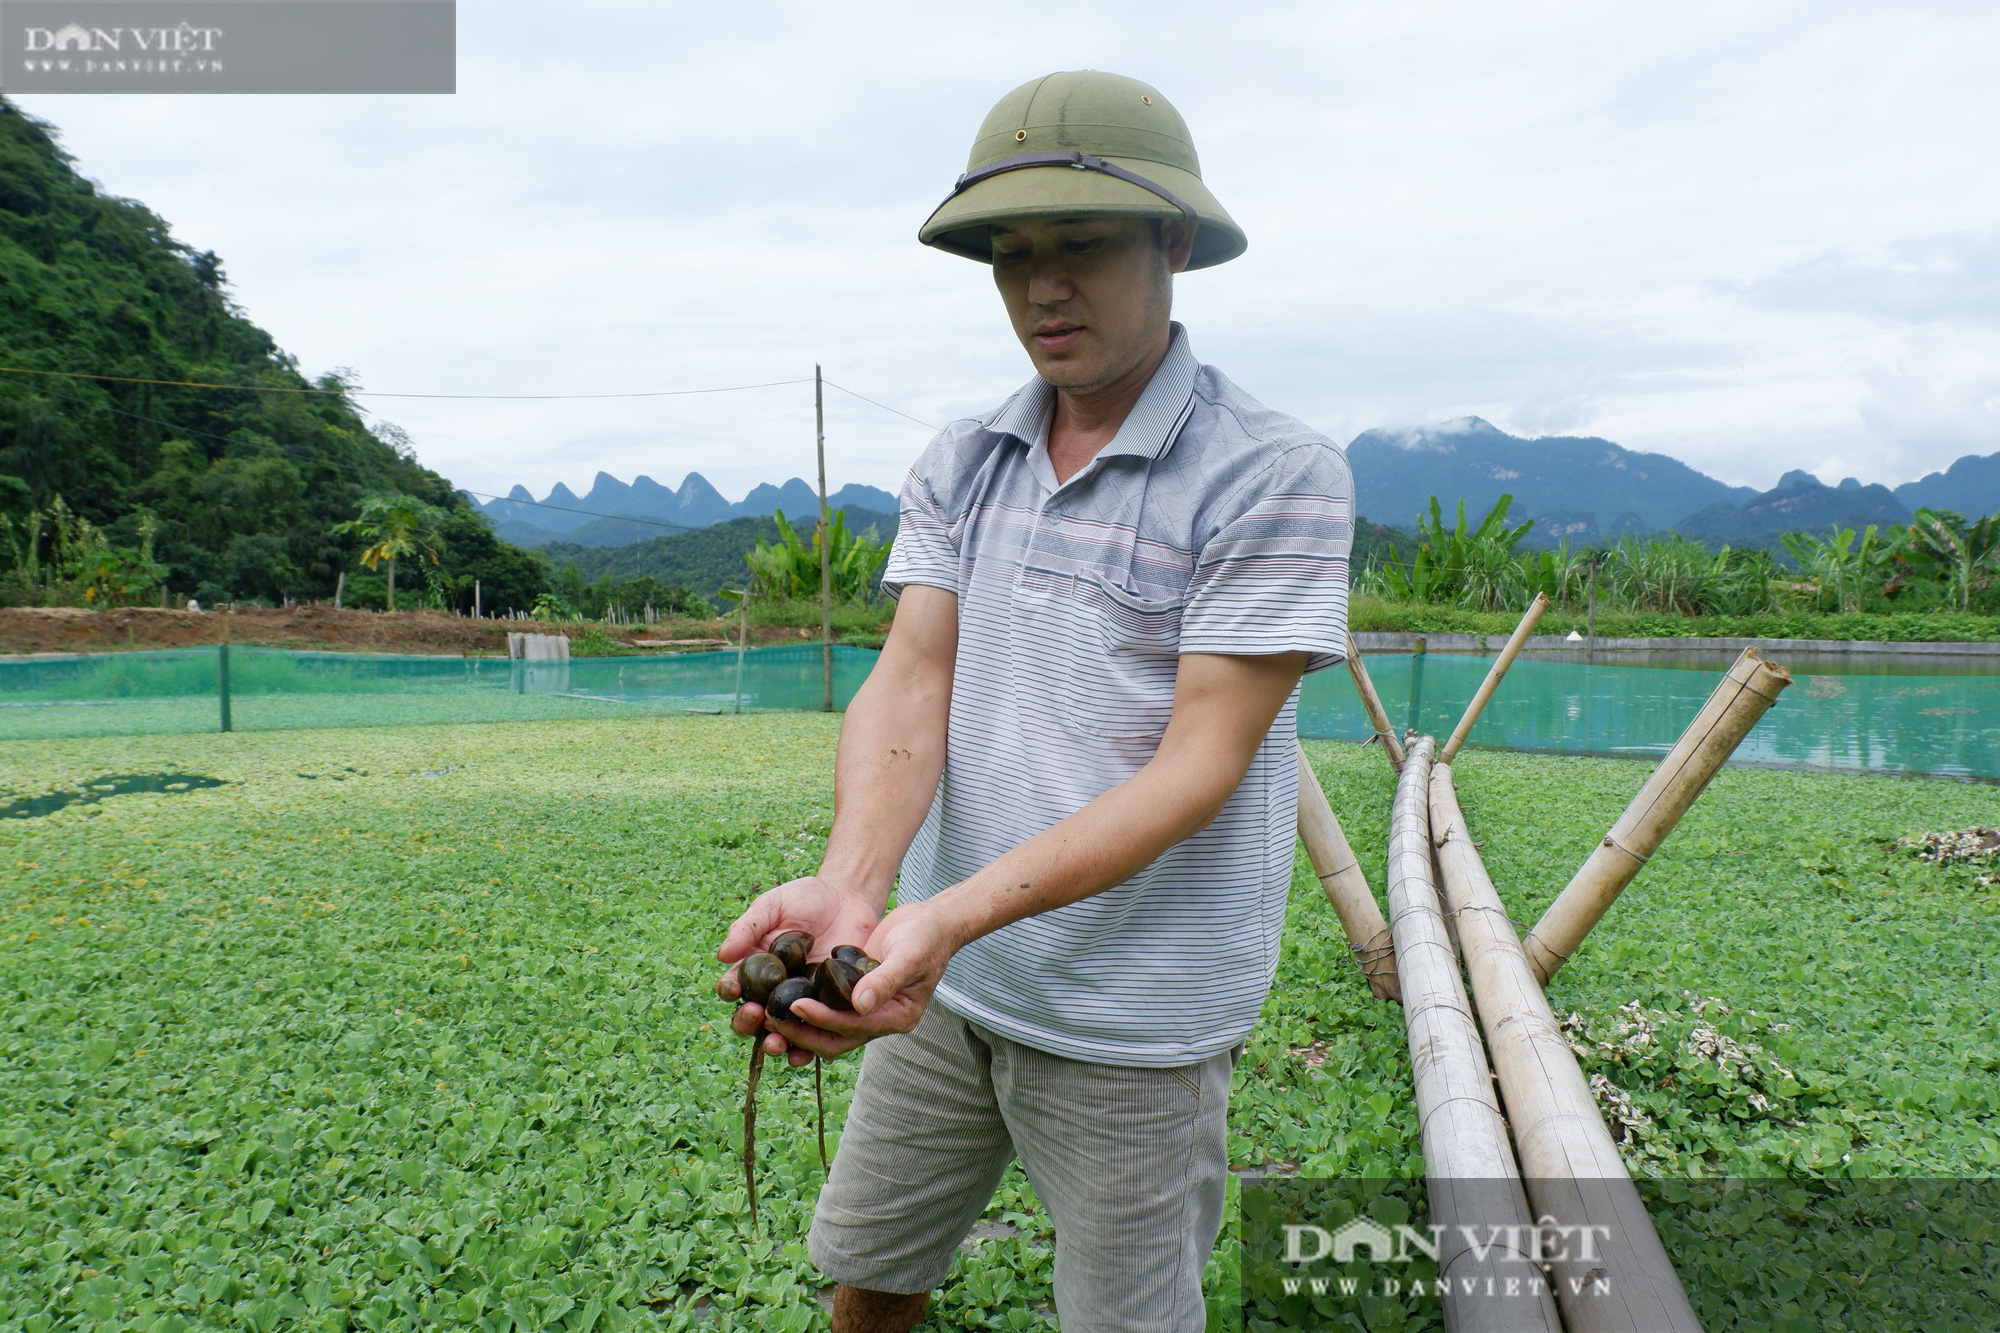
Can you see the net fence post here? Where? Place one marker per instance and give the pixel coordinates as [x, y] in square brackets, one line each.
[222, 680]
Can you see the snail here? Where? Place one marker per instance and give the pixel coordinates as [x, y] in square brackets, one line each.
[777, 978]
[833, 983]
[785, 993]
[791, 949]
[759, 975]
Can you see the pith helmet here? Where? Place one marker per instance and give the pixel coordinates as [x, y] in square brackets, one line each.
[1082, 144]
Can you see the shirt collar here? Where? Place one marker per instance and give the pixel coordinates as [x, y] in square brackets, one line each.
[1154, 421]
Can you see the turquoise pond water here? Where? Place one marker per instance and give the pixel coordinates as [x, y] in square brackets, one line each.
[1842, 715]
[1885, 716]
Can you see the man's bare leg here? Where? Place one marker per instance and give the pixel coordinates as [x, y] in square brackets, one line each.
[859, 1310]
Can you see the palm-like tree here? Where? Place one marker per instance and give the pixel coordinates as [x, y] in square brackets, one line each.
[1965, 556]
[395, 527]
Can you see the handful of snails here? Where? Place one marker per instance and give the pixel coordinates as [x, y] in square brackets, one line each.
[777, 978]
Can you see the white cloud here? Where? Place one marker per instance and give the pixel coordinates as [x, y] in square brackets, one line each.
[1753, 236]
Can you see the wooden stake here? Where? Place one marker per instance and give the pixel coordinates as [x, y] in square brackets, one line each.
[1475, 1188]
[825, 553]
[1751, 686]
[742, 643]
[1569, 1161]
[1418, 652]
[1492, 681]
[1346, 887]
[1590, 617]
[1378, 716]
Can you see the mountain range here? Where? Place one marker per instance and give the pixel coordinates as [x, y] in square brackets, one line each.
[1588, 489]
[1582, 488]
[613, 513]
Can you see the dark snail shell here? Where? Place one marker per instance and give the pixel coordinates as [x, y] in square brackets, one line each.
[848, 953]
[785, 993]
[864, 965]
[833, 983]
[792, 948]
[759, 974]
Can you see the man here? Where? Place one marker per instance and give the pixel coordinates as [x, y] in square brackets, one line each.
[1077, 747]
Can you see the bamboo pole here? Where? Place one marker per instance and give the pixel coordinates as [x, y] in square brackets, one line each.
[1378, 716]
[1345, 885]
[1492, 681]
[1475, 1188]
[1616, 1277]
[1751, 686]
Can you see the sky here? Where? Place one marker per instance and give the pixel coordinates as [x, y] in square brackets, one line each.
[1753, 236]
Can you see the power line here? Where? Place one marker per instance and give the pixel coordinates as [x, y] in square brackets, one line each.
[481, 397]
[377, 393]
[337, 466]
[884, 406]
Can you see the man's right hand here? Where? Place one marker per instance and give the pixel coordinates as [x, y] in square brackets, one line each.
[828, 913]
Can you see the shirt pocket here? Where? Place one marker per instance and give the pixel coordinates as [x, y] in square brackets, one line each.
[1108, 654]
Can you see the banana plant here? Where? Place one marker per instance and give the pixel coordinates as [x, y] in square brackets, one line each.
[788, 570]
[1454, 566]
[1842, 567]
[1965, 556]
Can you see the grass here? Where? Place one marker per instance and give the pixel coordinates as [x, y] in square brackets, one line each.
[1377, 615]
[411, 1027]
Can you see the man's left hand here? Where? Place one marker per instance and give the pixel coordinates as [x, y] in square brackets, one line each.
[911, 945]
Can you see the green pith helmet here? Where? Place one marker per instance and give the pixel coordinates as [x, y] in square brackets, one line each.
[1082, 144]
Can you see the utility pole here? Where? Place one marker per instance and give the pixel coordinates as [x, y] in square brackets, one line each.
[825, 552]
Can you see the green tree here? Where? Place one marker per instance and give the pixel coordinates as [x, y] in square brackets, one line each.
[1473, 567]
[1842, 568]
[395, 527]
[789, 569]
[242, 486]
[1961, 556]
[62, 559]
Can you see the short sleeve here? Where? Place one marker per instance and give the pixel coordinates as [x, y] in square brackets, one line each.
[1273, 578]
[925, 550]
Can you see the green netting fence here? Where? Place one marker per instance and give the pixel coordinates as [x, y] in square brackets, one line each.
[270, 689]
[1854, 718]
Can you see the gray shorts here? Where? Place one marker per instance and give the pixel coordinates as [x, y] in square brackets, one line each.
[1131, 1164]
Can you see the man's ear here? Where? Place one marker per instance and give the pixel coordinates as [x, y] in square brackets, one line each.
[1179, 244]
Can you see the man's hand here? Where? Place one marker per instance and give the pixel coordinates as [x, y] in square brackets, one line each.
[911, 947]
[823, 910]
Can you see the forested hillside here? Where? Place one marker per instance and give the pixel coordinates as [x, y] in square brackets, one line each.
[704, 561]
[239, 489]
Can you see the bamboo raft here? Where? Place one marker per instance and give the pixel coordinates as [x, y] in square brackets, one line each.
[1539, 1153]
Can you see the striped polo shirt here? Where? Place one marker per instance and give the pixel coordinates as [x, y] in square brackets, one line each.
[1210, 524]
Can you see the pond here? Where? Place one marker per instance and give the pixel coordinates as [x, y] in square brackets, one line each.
[1841, 712]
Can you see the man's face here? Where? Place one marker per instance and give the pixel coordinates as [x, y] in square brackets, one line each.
[1089, 297]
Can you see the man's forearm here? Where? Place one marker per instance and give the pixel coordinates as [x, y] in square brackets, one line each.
[892, 749]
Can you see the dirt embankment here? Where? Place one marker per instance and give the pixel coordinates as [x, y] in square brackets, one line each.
[64, 629]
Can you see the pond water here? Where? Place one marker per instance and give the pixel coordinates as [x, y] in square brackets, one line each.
[96, 789]
[1934, 715]
[1840, 712]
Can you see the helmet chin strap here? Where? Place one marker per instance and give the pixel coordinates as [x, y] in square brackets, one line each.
[1068, 158]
